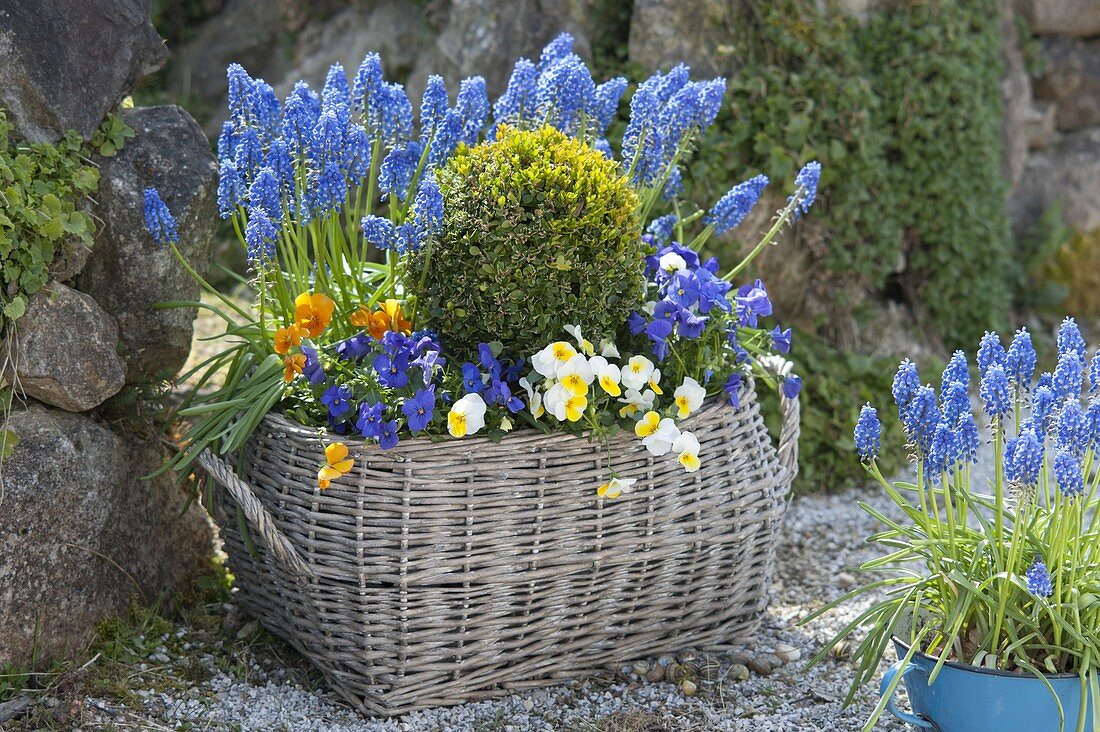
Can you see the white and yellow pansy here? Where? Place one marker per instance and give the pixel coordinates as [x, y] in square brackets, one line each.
[467, 415]
[547, 361]
[583, 343]
[686, 447]
[576, 374]
[655, 381]
[671, 263]
[616, 487]
[534, 398]
[564, 403]
[660, 440]
[606, 374]
[636, 402]
[689, 397]
[636, 373]
[608, 349]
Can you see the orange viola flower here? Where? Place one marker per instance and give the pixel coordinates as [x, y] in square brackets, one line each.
[337, 463]
[287, 337]
[397, 320]
[313, 312]
[360, 318]
[293, 366]
[387, 317]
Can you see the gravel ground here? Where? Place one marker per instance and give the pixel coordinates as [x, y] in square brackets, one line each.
[820, 544]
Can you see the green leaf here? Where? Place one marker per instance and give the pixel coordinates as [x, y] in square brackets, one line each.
[8, 441]
[16, 308]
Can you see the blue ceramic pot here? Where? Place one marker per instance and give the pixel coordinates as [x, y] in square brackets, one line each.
[972, 699]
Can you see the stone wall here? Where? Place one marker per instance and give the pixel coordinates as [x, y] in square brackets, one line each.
[1052, 121]
[81, 533]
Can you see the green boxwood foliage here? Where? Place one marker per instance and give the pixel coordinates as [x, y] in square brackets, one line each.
[41, 187]
[539, 230]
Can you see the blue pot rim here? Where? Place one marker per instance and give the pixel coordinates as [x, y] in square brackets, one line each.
[979, 669]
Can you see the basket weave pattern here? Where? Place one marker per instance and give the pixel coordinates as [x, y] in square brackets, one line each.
[443, 572]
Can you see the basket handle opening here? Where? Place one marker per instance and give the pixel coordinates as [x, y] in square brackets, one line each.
[790, 411]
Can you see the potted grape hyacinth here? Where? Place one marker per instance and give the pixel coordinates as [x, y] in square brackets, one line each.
[990, 592]
[479, 347]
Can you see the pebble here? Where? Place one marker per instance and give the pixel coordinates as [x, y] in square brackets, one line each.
[788, 653]
[844, 580]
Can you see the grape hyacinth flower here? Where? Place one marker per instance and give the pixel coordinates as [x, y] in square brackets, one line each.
[260, 236]
[995, 393]
[230, 188]
[1067, 474]
[159, 221]
[1068, 377]
[805, 188]
[398, 167]
[732, 208]
[990, 351]
[1024, 461]
[517, 103]
[1073, 432]
[957, 371]
[661, 229]
[472, 106]
[868, 433]
[1093, 417]
[265, 194]
[1021, 358]
[1094, 371]
[1070, 339]
[920, 419]
[1038, 579]
[1042, 405]
[368, 79]
[906, 382]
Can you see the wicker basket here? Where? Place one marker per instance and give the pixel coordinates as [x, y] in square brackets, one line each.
[444, 572]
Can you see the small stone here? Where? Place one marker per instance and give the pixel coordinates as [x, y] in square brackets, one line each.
[844, 580]
[688, 687]
[738, 672]
[666, 661]
[247, 630]
[788, 653]
[528, 704]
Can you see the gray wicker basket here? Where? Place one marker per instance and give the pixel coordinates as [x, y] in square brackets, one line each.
[444, 572]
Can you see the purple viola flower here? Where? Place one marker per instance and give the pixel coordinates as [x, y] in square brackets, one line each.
[683, 289]
[658, 331]
[781, 339]
[420, 409]
[712, 290]
[354, 348]
[488, 361]
[691, 259]
[636, 322]
[792, 386]
[312, 369]
[338, 400]
[471, 379]
[392, 369]
[691, 326]
[369, 421]
[732, 387]
[752, 303]
[500, 393]
[387, 435]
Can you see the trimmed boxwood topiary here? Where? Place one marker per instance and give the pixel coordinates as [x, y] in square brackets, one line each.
[540, 230]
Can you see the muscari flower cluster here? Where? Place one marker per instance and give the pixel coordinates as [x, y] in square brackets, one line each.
[307, 159]
[1059, 418]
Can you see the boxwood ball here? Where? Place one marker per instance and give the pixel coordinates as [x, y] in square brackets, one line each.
[539, 231]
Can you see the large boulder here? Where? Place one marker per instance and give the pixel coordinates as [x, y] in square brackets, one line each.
[81, 533]
[66, 63]
[63, 350]
[1070, 17]
[1019, 111]
[1068, 174]
[663, 34]
[1072, 81]
[129, 273]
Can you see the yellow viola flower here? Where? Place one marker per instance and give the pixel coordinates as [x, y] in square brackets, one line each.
[616, 487]
[648, 424]
[337, 463]
[287, 337]
[582, 343]
[548, 360]
[637, 372]
[292, 366]
[686, 446]
[607, 375]
[313, 312]
[564, 404]
[654, 378]
[575, 375]
[689, 397]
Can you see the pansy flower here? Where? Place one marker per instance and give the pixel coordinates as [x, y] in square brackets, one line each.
[387, 435]
[419, 410]
[576, 374]
[547, 361]
[369, 422]
[636, 401]
[564, 403]
[312, 368]
[781, 339]
[686, 447]
[337, 464]
[616, 487]
[661, 439]
[287, 337]
[471, 379]
[752, 303]
[467, 415]
[732, 387]
[637, 373]
[606, 374]
[392, 369]
[689, 397]
[500, 393]
[292, 366]
[313, 312]
[338, 400]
